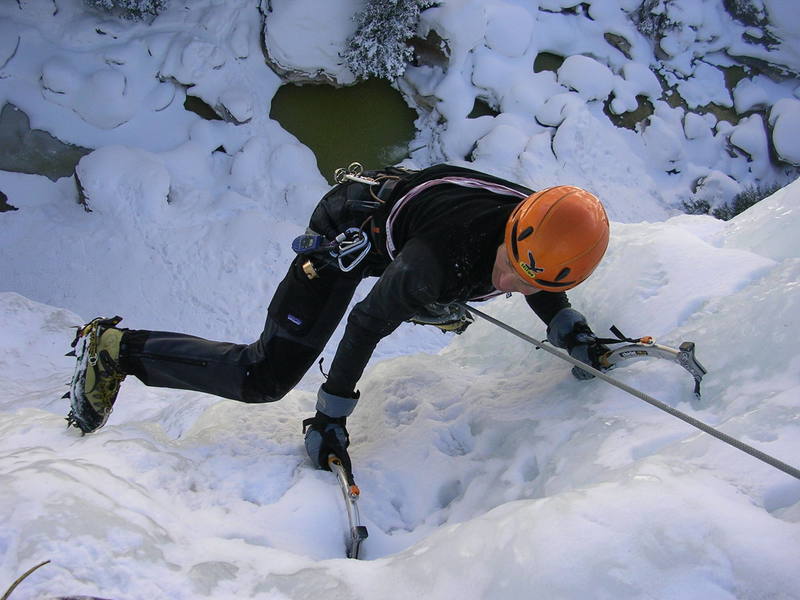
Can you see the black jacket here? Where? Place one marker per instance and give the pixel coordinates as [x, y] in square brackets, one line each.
[446, 240]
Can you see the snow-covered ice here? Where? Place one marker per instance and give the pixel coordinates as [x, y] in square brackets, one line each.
[487, 453]
[486, 470]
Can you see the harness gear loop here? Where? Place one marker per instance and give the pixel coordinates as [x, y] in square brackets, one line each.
[351, 246]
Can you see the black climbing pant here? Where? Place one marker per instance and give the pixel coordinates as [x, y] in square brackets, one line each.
[301, 317]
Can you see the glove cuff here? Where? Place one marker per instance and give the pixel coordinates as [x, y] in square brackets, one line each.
[335, 406]
[562, 328]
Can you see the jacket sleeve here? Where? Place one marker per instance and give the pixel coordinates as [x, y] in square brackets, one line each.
[547, 304]
[412, 280]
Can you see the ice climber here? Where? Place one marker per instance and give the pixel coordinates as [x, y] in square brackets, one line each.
[431, 237]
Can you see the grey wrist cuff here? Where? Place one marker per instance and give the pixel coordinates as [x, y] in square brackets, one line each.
[563, 324]
[335, 406]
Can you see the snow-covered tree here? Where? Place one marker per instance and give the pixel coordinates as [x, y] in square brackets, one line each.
[130, 9]
[379, 46]
[749, 12]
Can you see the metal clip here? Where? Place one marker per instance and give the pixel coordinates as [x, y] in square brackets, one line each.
[309, 270]
[353, 173]
[352, 242]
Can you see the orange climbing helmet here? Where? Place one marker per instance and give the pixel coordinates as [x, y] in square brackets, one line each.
[556, 237]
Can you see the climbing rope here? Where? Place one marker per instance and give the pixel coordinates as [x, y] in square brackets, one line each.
[770, 460]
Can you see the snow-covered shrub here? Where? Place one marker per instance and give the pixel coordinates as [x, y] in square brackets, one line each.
[696, 207]
[379, 46]
[749, 12]
[749, 196]
[130, 9]
[652, 20]
[4, 205]
[754, 14]
[752, 194]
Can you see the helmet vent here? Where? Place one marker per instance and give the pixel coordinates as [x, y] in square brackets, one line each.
[564, 272]
[514, 248]
[525, 233]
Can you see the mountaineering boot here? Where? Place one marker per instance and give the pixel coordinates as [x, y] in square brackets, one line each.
[98, 375]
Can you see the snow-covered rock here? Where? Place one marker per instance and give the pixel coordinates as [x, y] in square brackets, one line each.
[749, 95]
[785, 120]
[591, 79]
[508, 29]
[304, 42]
[716, 189]
[751, 137]
[124, 183]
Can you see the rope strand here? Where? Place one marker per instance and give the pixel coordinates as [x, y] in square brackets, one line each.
[739, 445]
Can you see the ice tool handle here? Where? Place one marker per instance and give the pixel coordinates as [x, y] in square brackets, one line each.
[646, 347]
[358, 532]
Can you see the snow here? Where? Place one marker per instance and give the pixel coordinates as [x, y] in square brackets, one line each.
[591, 79]
[486, 470]
[717, 189]
[212, 497]
[508, 29]
[750, 137]
[705, 86]
[776, 240]
[785, 120]
[748, 95]
[116, 179]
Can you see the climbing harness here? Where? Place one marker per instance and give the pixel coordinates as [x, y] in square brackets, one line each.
[350, 247]
[684, 356]
[385, 183]
[357, 532]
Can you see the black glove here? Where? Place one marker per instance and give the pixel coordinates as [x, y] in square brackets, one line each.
[569, 330]
[324, 436]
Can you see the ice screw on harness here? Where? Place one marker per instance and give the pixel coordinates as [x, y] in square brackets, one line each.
[354, 172]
